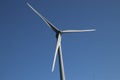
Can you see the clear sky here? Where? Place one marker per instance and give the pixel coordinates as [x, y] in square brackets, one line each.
[27, 44]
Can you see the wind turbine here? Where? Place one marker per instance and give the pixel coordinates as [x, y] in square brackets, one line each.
[58, 50]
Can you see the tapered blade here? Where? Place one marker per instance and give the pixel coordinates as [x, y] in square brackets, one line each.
[72, 31]
[56, 51]
[44, 19]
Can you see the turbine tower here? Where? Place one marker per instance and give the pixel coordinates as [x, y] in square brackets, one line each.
[58, 50]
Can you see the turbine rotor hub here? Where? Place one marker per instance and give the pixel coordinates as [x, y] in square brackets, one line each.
[57, 34]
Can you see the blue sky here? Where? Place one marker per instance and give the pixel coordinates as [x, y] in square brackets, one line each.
[27, 45]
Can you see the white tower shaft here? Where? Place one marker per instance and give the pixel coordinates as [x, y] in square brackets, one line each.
[61, 65]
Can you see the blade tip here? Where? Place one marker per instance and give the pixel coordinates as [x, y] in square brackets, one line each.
[94, 29]
[52, 69]
[27, 3]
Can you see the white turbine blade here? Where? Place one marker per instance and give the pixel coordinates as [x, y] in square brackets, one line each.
[56, 51]
[44, 19]
[71, 31]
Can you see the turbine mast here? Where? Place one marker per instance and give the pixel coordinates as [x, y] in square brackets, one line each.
[61, 65]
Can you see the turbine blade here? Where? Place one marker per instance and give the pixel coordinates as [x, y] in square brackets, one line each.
[44, 19]
[56, 51]
[71, 31]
